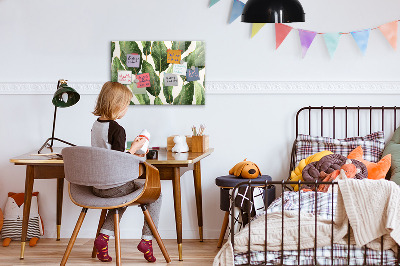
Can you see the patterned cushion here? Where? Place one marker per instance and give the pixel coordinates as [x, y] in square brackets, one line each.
[372, 144]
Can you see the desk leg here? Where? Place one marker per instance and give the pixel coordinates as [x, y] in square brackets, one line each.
[176, 182]
[199, 204]
[27, 206]
[60, 190]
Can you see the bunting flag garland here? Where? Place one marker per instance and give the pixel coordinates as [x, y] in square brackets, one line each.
[256, 28]
[306, 39]
[389, 30]
[361, 37]
[332, 41]
[237, 9]
[213, 2]
[281, 31]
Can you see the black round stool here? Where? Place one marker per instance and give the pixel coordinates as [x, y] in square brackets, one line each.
[228, 182]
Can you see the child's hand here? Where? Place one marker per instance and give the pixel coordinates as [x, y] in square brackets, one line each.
[143, 155]
[137, 144]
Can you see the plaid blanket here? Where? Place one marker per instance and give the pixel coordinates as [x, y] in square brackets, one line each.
[324, 257]
[323, 205]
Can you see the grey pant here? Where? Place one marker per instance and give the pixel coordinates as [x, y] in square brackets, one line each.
[153, 208]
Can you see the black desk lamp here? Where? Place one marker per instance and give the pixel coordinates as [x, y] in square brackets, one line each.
[64, 97]
[273, 11]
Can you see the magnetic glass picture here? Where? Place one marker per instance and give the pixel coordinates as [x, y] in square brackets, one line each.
[161, 72]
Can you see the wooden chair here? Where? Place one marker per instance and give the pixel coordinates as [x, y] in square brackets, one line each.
[85, 167]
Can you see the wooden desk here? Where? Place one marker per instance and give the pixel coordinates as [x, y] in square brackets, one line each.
[171, 167]
[40, 167]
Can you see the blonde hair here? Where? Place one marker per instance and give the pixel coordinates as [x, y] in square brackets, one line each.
[112, 99]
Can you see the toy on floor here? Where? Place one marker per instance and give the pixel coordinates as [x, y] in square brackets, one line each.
[13, 215]
[245, 169]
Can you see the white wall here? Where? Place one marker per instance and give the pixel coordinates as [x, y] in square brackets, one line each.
[42, 41]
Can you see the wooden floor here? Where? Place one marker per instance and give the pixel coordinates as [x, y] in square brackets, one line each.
[50, 252]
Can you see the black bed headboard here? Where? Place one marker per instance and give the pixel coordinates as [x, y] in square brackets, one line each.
[344, 121]
[346, 112]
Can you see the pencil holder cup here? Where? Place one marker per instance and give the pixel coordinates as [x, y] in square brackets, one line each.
[200, 143]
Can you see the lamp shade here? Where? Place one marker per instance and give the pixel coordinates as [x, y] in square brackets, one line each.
[273, 11]
[65, 96]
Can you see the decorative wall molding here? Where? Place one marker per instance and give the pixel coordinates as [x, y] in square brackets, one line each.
[233, 87]
[304, 87]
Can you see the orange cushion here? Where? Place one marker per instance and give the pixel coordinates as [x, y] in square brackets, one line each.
[375, 170]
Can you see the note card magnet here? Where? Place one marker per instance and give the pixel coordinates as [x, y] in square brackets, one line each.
[125, 77]
[174, 56]
[180, 69]
[192, 75]
[170, 79]
[133, 60]
[144, 80]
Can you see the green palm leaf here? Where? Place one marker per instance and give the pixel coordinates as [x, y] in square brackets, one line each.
[185, 97]
[159, 54]
[197, 57]
[183, 46]
[199, 93]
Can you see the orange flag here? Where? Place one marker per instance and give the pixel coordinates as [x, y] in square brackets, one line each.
[281, 31]
[389, 30]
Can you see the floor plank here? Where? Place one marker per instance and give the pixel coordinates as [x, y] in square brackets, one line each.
[49, 252]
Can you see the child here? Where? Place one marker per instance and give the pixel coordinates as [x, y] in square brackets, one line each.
[112, 103]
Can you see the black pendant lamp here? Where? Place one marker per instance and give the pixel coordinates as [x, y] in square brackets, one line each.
[273, 11]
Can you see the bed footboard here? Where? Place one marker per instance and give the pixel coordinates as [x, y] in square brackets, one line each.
[310, 254]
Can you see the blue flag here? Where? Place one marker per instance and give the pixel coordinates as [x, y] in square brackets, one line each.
[237, 9]
[361, 38]
[213, 2]
[332, 41]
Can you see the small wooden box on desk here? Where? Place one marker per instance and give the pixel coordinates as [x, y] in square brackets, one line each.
[195, 143]
[200, 143]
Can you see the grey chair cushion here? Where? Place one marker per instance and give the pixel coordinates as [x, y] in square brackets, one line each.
[99, 167]
[83, 196]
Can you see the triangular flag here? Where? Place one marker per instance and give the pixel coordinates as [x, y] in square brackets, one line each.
[361, 37]
[332, 41]
[390, 32]
[281, 31]
[213, 2]
[237, 9]
[306, 39]
[255, 28]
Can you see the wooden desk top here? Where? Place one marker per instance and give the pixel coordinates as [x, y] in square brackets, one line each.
[167, 157]
[164, 157]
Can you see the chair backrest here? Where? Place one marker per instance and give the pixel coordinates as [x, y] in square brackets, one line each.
[92, 166]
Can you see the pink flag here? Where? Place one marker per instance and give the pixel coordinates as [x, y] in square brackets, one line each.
[389, 30]
[281, 31]
[306, 39]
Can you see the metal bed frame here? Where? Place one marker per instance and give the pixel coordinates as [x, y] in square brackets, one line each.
[283, 184]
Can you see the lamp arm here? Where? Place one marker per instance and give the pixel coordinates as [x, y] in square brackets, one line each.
[54, 126]
[54, 118]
